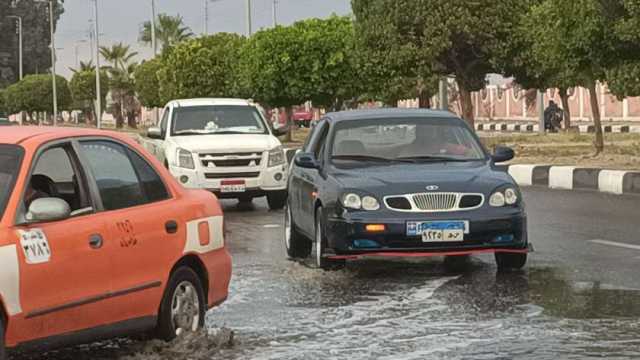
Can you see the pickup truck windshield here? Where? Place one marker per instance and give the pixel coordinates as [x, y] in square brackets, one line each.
[208, 120]
[10, 158]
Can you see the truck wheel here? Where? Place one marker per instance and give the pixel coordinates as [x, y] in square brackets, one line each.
[277, 199]
[321, 244]
[298, 247]
[510, 261]
[183, 305]
[3, 351]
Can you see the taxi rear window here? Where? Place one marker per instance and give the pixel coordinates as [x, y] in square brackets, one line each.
[10, 159]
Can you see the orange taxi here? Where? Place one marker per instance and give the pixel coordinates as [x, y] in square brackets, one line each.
[97, 240]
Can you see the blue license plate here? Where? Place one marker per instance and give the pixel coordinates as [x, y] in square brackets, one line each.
[417, 228]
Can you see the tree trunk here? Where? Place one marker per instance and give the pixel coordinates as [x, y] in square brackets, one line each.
[597, 122]
[565, 108]
[424, 100]
[466, 104]
[290, 125]
[131, 119]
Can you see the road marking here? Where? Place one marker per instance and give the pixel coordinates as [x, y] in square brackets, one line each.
[617, 244]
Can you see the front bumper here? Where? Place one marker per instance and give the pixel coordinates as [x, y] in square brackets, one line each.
[490, 230]
[268, 179]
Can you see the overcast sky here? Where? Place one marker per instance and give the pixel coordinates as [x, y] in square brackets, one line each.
[121, 20]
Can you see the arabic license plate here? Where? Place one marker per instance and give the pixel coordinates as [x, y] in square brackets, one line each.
[439, 231]
[233, 187]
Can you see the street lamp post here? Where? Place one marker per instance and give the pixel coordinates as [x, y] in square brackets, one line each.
[97, 53]
[154, 43]
[274, 12]
[53, 64]
[249, 24]
[20, 58]
[206, 16]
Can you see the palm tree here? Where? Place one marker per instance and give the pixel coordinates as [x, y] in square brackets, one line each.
[84, 66]
[118, 55]
[120, 68]
[170, 30]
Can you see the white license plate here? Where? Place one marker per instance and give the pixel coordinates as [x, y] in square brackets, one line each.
[233, 188]
[439, 231]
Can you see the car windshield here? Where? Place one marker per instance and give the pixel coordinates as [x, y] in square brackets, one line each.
[10, 157]
[405, 140]
[206, 120]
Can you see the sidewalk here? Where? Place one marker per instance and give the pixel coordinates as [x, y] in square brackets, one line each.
[581, 126]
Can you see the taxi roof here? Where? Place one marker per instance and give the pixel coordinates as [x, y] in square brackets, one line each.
[18, 134]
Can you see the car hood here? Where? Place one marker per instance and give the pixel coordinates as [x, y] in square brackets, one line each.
[472, 177]
[226, 143]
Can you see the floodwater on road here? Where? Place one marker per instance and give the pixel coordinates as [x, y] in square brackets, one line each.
[378, 309]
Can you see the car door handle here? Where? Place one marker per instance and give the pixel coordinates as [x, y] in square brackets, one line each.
[171, 226]
[95, 241]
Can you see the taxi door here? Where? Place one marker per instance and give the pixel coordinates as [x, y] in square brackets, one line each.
[65, 267]
[143, 226]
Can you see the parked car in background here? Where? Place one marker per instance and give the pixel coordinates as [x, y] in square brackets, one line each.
[224, 146]
[400, 183]
[302, 118]
[5, 122]
[97, 240]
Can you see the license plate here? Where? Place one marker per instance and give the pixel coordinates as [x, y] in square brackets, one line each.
[233, 187]
[438, 231]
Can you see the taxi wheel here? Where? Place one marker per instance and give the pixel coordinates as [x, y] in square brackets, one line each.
[510, 261]
[298, 247]
[183, 306]
[321, 244]
[277, 199]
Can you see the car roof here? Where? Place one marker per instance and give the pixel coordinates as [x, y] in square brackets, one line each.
[19, 134]
[210, 102]
[390, 112]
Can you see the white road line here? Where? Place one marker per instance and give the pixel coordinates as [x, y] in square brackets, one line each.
[616, 244]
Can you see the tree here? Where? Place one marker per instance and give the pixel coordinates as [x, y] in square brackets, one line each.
[35, 94]
[36, 37]
[147, 83]
[623, 78]
[84, 66]
[120, 72]
[444, 37]
[573, 39]
[202, 67]
[83, 91]
[3, 106]
[170, 31]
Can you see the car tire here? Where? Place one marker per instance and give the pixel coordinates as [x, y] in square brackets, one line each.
[277, 199]
[297, 246]
[321, 244]
[174, 317]
[3, 350]
[510, 261]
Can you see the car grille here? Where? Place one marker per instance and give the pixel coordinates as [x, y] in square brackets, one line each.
[245, 159]
[434, 202]
[245, 175]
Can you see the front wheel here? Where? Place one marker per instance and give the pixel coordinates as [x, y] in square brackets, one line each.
[321, 244]
[298, 247]
[510, 261]
[277, 199]
[183, 305]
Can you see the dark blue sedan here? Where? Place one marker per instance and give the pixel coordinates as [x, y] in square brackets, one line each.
[403, 183]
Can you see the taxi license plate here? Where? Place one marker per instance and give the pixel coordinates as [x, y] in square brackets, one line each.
[233, 187]
[438, 231]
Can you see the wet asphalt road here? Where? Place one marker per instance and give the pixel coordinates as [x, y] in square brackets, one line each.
[578, 298]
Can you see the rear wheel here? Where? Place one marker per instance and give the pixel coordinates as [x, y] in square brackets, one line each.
[183, 305]
[277, 199]
[298, 247]
[321, 244]
[510, 261]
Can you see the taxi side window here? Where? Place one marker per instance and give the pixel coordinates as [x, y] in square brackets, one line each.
[152, 184]
[115, 175]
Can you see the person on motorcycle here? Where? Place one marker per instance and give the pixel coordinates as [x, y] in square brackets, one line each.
[553, 115]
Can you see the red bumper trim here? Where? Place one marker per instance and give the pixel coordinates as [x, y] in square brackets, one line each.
[428, 254]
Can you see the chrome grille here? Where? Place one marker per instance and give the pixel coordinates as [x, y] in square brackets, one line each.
[247, 159]
[436, 201]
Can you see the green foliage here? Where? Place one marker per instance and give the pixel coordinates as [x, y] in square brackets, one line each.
[35, 93]
[147, 84]
[311, 60]
[3, 107]
[202, 67]
[83, 88]
[170, 31]
[623, 77]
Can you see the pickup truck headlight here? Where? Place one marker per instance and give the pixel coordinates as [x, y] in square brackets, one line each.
[276, 157]
[185, 159]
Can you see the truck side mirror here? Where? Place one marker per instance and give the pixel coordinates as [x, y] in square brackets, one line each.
[154, 133]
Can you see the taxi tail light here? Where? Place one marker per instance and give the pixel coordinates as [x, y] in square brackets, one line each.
[375, 227]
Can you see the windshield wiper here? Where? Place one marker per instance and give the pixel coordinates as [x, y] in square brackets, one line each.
[429, 158]
[367, 158]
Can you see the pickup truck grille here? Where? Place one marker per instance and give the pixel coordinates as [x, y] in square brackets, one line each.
[248, 159]
[245, 175]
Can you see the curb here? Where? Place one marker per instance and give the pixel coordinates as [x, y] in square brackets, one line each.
[577, 178]
[530, 128]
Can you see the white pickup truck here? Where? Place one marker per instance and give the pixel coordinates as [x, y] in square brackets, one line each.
[222, 145]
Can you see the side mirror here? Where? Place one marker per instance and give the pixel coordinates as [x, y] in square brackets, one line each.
[306, 161]
[48, 209]
[503, 154]
[154, 133]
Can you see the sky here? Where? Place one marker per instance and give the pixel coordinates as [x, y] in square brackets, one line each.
[121, 21]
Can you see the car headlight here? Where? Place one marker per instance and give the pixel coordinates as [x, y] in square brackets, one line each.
[508, 196]
[352, 201]
[370, 203]
[185, 159]
[276, 157]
